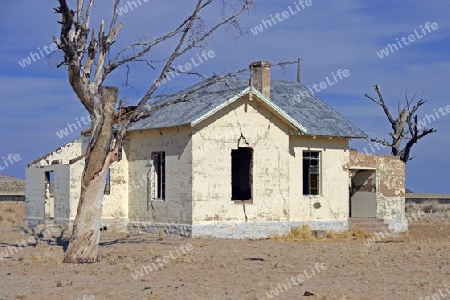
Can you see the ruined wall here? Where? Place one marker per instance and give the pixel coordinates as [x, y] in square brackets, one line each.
[390, 178]
[62, 155]
[332, 204]
[35, 191]
[68, 171]
[363, 195]
[177, 206]
[244, 123]
[114, 205]
[35, 182]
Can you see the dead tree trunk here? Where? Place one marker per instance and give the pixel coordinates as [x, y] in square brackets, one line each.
[405, 130]
[83, 246]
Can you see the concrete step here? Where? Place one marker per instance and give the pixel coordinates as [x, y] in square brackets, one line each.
[370, 225]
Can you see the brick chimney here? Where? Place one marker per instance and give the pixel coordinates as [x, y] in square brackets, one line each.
[261, 76]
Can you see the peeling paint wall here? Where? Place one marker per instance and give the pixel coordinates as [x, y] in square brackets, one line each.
[177, 206]
[363, 195]
[242, 124]
[62, 155]
[35, 189]
[390, 180]
[67, 185]
[115, 205]
[332, 204]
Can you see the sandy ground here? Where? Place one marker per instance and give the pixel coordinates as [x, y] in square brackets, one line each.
[11, 184]
[413, 266]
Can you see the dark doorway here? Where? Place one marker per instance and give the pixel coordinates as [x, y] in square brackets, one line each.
[241, 173]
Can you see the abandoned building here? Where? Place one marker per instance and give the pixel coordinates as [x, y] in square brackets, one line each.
[237, 160]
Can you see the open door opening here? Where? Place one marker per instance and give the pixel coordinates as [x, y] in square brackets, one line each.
[363, 201]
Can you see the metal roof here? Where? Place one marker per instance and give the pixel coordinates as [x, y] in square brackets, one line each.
[296, 104]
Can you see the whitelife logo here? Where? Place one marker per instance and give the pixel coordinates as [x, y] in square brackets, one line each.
[160, 262]
[296, 280]
[411, 38]
[11, 158]
[266, 24]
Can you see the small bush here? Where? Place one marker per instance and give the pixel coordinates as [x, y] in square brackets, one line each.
[303, 233]
[36, 258]
[427, 208]
[433, 207]
[329, 234]
[358, 232]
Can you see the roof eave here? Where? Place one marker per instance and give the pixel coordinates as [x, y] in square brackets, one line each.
[272, 105]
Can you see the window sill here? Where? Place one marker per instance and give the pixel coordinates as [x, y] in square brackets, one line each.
[243, 201]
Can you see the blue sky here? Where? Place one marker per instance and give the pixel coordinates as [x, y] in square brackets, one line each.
[37, 100]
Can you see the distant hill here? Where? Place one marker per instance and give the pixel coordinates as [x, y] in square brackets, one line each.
[11, 184]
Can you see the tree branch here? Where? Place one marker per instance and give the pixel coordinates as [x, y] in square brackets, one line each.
[404, 126]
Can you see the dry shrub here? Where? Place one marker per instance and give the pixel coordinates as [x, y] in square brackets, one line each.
[128, 265]
[303, 233]
[296, 234]
[8, 217]
[358, 232]
[329, 234]
[411, 208]
[36, 258]
[429, 207]
[46, 254]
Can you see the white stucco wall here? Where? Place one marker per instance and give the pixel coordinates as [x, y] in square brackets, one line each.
[334, 196]
[35, 191]
[67, 182]
[212, 142]
[58, 162]
[390, 181]
[177, 207]
[62, 154]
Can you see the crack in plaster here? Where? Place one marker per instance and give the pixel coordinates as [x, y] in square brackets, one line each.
[245, 214]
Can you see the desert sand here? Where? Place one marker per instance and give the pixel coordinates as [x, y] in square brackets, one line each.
[340, 267]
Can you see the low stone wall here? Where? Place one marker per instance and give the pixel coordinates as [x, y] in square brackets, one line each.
[420, 198]
[12, 197]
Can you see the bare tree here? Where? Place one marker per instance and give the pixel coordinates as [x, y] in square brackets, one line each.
[406, 132]
[85, 55]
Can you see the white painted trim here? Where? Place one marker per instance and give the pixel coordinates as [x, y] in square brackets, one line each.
[263, 99]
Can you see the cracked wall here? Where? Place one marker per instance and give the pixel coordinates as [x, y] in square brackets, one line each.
[35, 188]
[243, 123]
[332, 203]
[68, 169]
[177, 207]
[390, 181]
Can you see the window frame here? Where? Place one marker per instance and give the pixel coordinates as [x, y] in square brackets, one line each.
[158, 159]
[308, 157]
